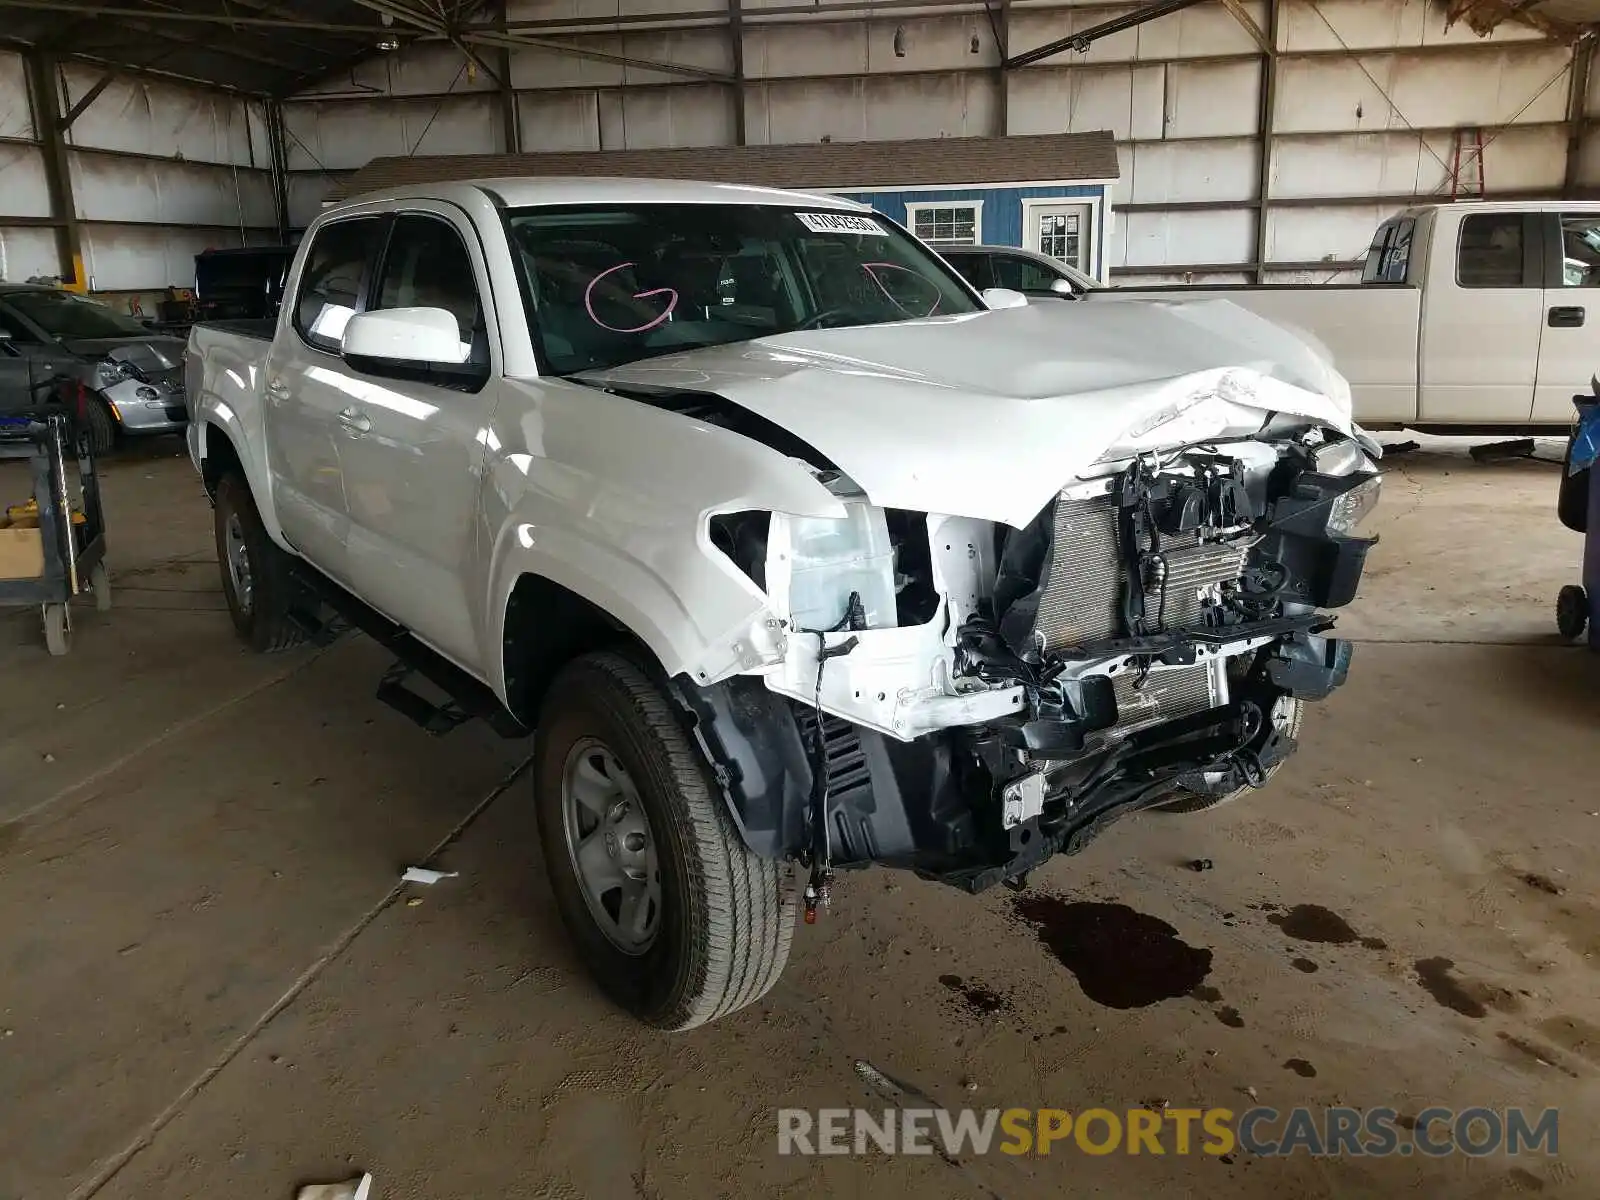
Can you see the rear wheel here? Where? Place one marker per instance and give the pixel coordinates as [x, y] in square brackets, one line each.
[1286, 714]
[678, 922]
[255, 572]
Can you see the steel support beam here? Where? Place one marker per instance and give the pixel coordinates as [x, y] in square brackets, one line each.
[1264, 126]
[1257, 35]
[1084, 38]
[278, 161]
[736, 46]
[88, 98]
[999, 14]
[510, 117]
[1578, 110]
[155, 14]
[44, 96]
[435, 26]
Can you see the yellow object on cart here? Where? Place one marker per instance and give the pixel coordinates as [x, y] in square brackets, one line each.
[26, 516]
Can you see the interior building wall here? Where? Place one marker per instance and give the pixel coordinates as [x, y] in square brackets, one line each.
[1367, 101]
[158, 172]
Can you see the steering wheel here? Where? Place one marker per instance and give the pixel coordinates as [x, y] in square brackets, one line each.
[816, 320]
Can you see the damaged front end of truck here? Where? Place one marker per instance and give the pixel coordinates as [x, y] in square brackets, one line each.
[964, 697]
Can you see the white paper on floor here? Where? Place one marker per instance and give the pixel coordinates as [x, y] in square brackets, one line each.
[350, 1189]
[425, 875]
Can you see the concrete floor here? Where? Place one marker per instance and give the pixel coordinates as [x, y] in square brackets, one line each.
[209, 985]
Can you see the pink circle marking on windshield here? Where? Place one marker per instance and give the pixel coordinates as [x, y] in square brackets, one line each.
[588, 303]
[871, 269]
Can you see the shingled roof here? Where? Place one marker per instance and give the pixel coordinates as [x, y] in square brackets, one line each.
[927, 162]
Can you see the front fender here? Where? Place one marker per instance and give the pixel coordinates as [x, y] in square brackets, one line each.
[610, 498]
[640, 599]
[228, 404]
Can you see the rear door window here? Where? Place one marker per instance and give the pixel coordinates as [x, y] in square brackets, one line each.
[333, 282]
[1494, 253]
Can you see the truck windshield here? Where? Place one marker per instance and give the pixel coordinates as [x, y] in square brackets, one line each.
[615, 284]
[64, 315]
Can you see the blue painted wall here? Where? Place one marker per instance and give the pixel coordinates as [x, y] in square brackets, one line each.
[1002, 207]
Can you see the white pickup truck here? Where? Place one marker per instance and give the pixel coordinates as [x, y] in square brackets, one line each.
[795, 552]
[1469, 318]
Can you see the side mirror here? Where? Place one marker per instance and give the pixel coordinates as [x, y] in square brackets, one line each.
[404, 335]
[1063, 287]
[1004, 298]
[422, 345]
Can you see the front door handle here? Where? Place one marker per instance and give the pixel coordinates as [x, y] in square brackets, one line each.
[278, 389]
[1566, 317]
[355, 420]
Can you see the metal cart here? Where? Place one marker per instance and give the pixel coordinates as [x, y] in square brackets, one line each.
[62, 555]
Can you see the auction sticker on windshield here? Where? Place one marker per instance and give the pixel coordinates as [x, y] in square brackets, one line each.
[841, 223]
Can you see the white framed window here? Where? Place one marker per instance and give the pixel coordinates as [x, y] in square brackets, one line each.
[960, 223]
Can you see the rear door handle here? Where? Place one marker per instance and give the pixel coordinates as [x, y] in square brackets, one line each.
[355, 420]
[1566, 317]
[278, 389]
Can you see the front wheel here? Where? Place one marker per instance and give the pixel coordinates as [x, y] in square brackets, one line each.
[676, 919]
[99, 428]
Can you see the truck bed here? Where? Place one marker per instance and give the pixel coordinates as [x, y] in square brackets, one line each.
[261, 329]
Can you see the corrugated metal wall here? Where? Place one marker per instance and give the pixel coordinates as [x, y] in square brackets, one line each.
[24, 250]
[1367, 95]
[159, 172]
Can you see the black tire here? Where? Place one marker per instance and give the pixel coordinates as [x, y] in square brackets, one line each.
[1572, 612]
[262, 618]
[1185, 801]
[100, 582]
[1572, 501]
[57, 629]
[99, 429]
[726, 916]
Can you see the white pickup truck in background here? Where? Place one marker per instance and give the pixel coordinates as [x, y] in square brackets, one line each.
[1469, 317]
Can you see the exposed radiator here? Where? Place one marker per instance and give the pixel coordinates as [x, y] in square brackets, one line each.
[1082, 599]
[1165, 696]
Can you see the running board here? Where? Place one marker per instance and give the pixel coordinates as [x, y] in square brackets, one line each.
[437, 719]
[469, 698]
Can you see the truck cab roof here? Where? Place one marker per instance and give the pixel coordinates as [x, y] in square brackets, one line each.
[556, 190]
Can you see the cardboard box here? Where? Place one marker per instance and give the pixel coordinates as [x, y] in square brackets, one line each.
[21, 553]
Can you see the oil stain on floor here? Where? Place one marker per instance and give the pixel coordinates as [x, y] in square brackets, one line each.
[978, 1000]
[1314, 923]
[1465, 996]
[1121, 958]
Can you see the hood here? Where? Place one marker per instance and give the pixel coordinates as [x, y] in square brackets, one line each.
[990, 414]
[154, 355]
